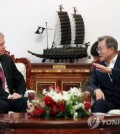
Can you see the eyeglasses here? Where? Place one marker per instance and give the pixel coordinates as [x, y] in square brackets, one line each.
[99, 49]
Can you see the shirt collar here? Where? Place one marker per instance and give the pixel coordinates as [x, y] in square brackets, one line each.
[112, 62]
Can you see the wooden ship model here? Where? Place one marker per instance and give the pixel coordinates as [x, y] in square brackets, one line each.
[70, 47]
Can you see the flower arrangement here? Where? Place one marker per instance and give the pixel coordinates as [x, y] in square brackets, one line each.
[60, 104]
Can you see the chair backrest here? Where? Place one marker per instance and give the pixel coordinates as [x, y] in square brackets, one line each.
[24, 66]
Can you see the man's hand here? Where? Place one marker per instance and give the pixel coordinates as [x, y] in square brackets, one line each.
[99, 94]
[102, 68]
[14, 96]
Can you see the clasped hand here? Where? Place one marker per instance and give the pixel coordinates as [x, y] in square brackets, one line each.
[14, 96]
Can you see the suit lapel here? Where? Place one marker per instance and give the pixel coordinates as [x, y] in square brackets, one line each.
[107, 77]
[117, 63]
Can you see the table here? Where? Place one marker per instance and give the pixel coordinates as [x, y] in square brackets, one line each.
[20, 123]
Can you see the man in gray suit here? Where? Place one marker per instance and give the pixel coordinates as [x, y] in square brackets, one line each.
[11, 94]
[105, 80]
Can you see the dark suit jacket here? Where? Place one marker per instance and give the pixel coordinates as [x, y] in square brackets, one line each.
[14, 78]
[110, 88]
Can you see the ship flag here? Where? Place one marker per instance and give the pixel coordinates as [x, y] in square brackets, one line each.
[40, 30]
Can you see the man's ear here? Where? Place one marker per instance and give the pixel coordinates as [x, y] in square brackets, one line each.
[112, 50]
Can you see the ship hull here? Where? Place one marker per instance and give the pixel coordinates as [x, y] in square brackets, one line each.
[62, 53]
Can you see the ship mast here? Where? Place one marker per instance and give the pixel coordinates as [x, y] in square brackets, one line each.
[47, 34]
[75, 10]
[61, 8]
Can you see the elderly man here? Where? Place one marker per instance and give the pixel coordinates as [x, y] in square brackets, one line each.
[12, 84]
[105, 80]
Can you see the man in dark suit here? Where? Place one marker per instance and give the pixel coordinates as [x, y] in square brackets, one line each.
[105, 80]
[11, 94]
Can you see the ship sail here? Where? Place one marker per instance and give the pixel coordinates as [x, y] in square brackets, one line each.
[62, 35]
[69, 36]
[79, 29]
[65, 28]
[70, 48]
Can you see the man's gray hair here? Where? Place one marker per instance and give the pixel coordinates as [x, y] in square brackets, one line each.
[1, 34]
[110, 42]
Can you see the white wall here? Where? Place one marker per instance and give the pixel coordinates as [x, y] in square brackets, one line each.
[19, 20]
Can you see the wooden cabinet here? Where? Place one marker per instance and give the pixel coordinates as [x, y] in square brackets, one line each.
[63, 76]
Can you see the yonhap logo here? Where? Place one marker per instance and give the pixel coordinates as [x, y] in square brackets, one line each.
[93, 122]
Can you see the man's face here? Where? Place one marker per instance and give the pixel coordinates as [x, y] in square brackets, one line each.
[104, 52]
[2, 46]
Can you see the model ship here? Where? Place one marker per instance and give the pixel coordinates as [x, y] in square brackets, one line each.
[66, 45]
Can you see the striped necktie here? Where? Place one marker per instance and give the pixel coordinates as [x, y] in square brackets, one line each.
[2, 76]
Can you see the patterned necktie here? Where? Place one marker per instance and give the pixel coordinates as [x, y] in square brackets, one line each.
[2, 76]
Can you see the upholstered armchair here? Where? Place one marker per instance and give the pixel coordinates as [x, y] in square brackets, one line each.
[24, 66]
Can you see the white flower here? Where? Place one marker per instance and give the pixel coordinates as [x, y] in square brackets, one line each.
[30, 107]
[75, 115]
[66, 95]
[75, 91]
[44, 91]
[78, 105]
[57, 97]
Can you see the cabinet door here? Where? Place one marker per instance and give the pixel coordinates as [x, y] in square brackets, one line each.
[67, 85]
[44, 85]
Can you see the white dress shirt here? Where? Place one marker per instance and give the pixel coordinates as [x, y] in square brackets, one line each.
[111, 64]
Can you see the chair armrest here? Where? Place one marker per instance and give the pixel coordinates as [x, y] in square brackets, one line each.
[22, 68]
[30, 94]
[23, 63]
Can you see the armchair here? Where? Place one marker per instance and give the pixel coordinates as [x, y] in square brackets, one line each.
[24, 66]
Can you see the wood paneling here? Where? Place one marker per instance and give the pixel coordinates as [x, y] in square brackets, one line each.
[63, 76]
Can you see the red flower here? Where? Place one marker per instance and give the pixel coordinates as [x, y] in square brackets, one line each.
[53, 110]
[87, 97]
[61, 106]
[87, 105]
[87, 101]
[49, 101]
[38, 111]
